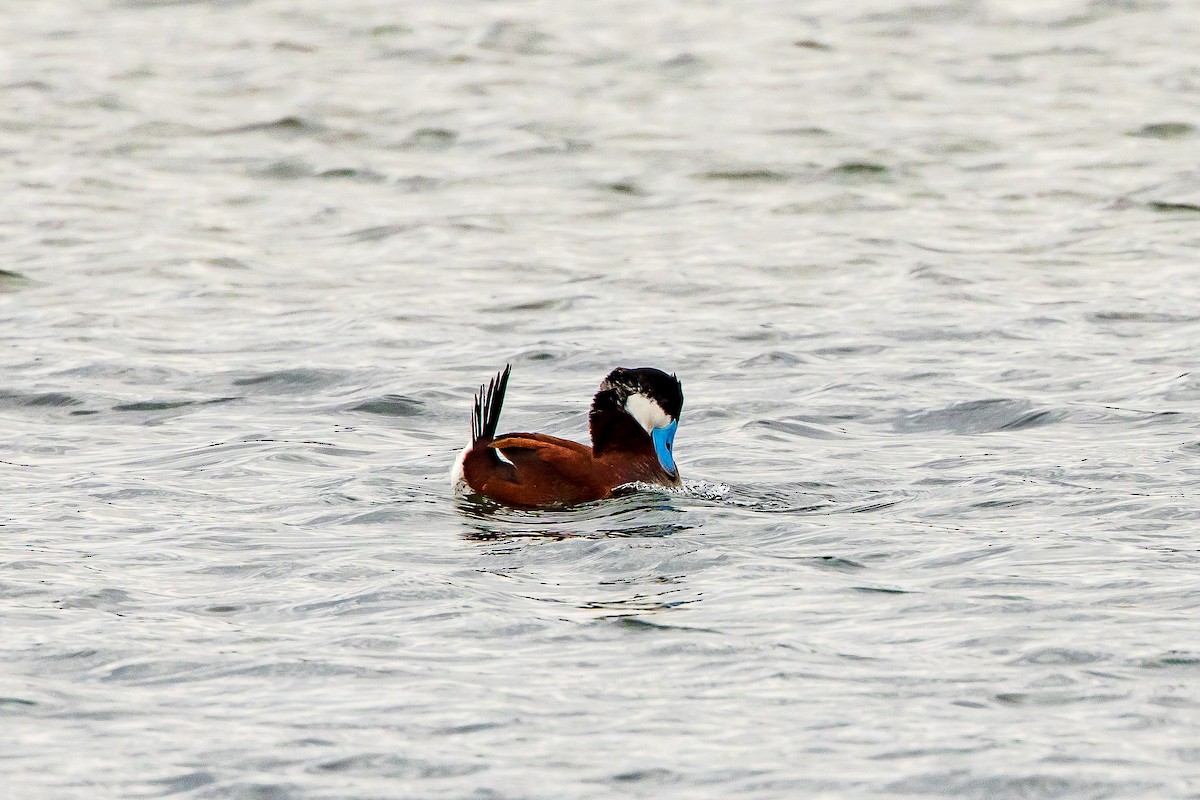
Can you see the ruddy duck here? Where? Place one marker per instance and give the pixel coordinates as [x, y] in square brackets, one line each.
[632, 421]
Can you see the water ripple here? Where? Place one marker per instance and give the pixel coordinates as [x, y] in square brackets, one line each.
[928, 273]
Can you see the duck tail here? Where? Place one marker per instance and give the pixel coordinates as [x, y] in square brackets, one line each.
[489, 401]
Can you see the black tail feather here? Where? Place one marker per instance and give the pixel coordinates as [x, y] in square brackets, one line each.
[486, 416]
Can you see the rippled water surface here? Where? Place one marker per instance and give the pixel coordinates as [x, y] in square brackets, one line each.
[930, 275]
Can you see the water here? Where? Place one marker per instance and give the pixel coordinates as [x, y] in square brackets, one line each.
[929, 275]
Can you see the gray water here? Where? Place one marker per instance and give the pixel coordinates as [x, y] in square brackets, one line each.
[930, 275]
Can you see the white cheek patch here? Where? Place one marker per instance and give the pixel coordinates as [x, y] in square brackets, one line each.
[648, 413]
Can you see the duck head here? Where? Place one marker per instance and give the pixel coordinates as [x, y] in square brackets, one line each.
[634, 404]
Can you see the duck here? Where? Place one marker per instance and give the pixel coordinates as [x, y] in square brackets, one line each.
[632, 421]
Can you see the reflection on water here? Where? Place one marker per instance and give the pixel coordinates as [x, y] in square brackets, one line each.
[641, 514]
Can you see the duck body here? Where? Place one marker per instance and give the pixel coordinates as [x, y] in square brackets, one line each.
[633, 420]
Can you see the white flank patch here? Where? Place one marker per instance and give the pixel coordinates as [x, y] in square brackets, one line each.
[648, 413]
[457, 482]
[456, 471]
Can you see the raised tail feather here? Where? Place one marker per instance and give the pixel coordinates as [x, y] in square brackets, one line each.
[487, 407]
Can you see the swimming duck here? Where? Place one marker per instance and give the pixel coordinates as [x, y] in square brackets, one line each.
[633, 421]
